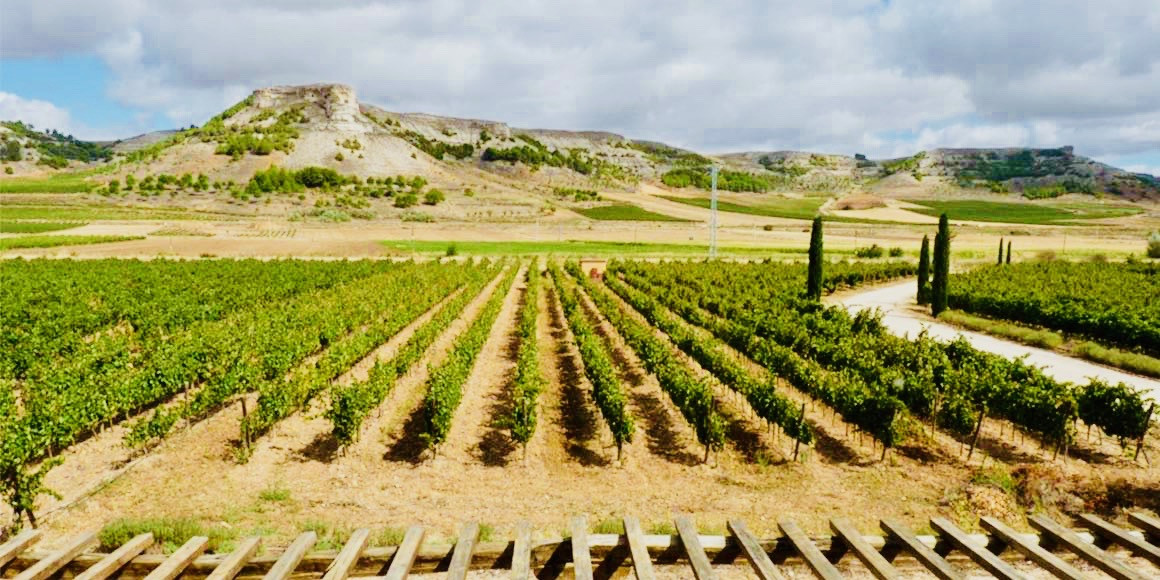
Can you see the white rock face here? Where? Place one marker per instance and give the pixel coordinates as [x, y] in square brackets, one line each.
[338, 103]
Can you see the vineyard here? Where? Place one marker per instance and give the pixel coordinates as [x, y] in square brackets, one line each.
[1110, 303]
[328, 369]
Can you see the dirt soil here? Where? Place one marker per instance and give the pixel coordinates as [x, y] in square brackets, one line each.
[382, 482]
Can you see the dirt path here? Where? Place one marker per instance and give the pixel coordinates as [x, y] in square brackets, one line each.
[748, 437]
[305, 435]
[571, 423]
[902, 317]
[398, 421]
[475, 435]
[659, 423]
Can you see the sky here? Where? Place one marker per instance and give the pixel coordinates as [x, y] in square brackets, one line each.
[881, 77]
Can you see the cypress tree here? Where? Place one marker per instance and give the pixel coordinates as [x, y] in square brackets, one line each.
[814, 281]
[1008, 251]
[942, 267]
[924, 272]
[1000, 251]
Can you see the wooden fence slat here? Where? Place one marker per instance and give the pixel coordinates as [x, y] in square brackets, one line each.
[762, 565]
[934, 563]
[1031, 550]
[404, 557]
[874, 561]
[980, 554]
[57, 560]
[1149, 524]
[284, 567]
[12, 548]
[641, 561]
[809, 551]
[346, 559]
[1093, 555]
[176, 563]
[581, 557]
[1118, 535]
[118, 558]
[233, 563]
[687, 532]
[522, 552]
[461, 557]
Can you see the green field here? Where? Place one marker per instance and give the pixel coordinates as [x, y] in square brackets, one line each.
[11, 227]
[1019, 213]
[781, 207]
[53, 241]
[624, 212]
[580, 248]
[89, 213]
[791, 208]
[56, 183]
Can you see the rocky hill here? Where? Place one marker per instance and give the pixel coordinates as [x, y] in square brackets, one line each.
[325, 126]
[1033, 173]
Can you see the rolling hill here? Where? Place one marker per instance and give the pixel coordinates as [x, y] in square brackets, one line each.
[325, 126]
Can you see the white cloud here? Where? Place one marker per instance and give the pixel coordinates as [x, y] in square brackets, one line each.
[844, 75]
[1149, 169]
[40, 114]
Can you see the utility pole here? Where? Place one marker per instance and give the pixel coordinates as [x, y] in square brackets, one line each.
[713, 218]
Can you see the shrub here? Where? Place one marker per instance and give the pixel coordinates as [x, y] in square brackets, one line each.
[895, 252]
[8, 170]
[54, 162]
[433, 197]
[331, 215]
[1154, 245]
[1045, 192]
[315, 177]
[418, 217]
[338, 156]
[874, 251]
[452, 250]
[405, 200]
[11, 151]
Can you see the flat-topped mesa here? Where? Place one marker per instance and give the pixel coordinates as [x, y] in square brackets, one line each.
[338, 102]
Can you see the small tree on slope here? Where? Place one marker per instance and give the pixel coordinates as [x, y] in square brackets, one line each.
[814, 280]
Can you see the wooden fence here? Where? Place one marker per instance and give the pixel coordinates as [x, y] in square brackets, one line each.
[1054, 550]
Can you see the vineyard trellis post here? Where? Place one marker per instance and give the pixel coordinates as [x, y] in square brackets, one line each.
[1144, 431]
[245, 424]
[978, 429]
[798, 440]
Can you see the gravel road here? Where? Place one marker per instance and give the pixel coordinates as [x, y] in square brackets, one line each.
[896, 301]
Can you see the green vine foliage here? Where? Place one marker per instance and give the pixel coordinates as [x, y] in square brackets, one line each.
[874, 379]
[761, 394]
[1113, 303]
[691, 395]
[351, 404]
[529, 381]
[445, 383]
[607, 391]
